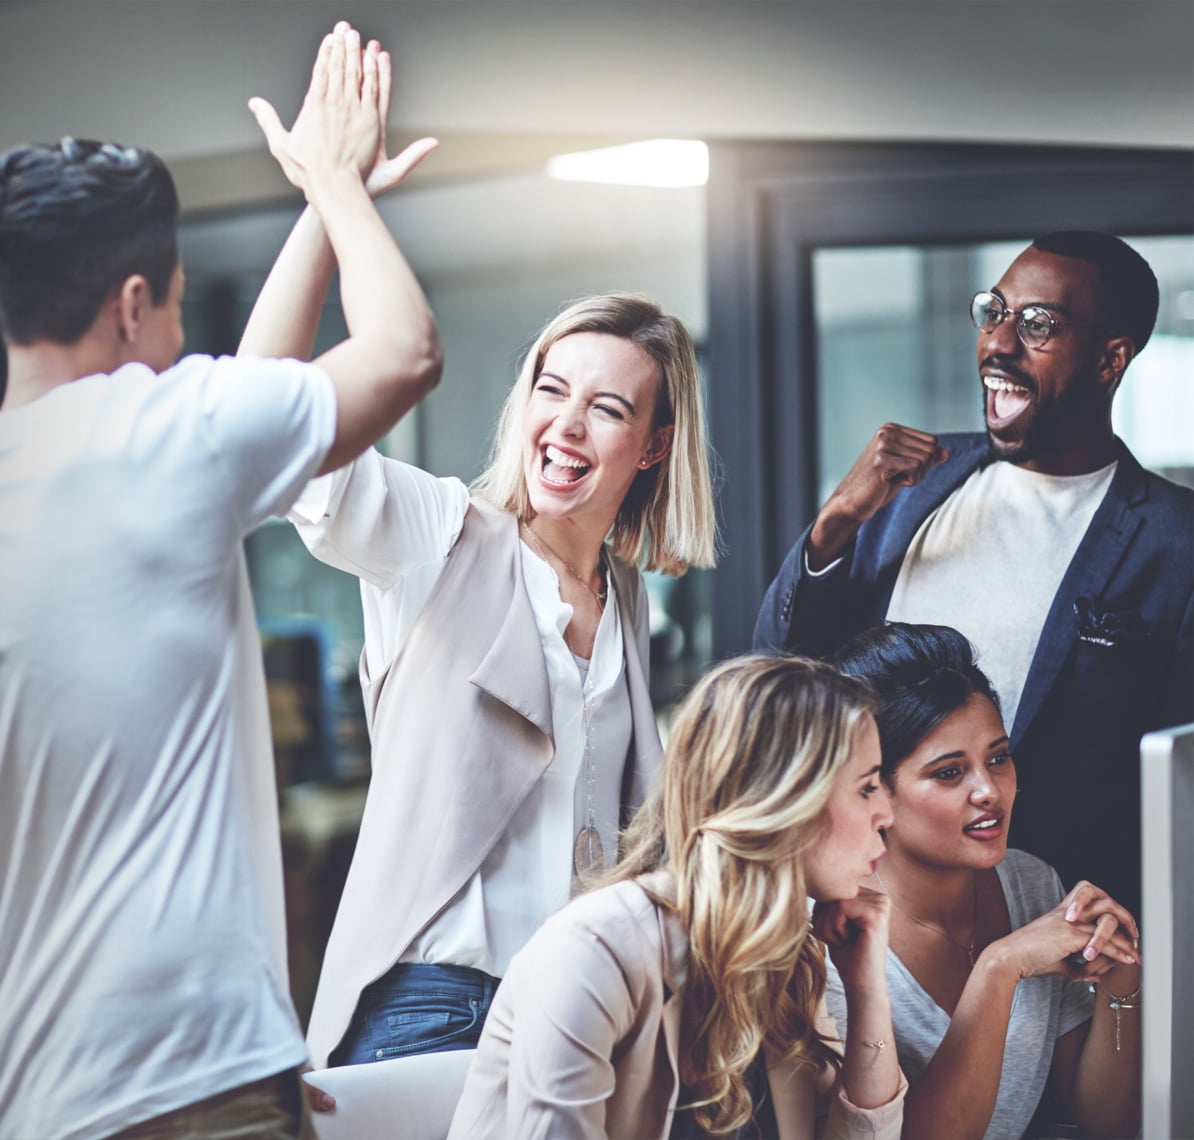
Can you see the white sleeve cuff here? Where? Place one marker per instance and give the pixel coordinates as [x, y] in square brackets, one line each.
[818, 573]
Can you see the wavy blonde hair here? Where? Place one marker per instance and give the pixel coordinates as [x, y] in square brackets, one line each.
[738, 804]
[666, 522]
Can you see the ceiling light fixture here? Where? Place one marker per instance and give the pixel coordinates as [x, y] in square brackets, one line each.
[655, 162]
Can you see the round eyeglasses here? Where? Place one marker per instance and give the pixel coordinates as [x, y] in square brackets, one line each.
[1034, 325]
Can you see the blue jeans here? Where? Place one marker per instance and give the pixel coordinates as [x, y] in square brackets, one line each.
[417, 1007]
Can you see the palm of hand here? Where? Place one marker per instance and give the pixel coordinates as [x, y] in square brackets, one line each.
[339, 126]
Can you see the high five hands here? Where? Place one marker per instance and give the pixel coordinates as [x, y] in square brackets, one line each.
[342, 123]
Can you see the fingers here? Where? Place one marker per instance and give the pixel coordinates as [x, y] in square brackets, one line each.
[384, 82]
[1086, 902]
[317, 1099]
[268, 121]
[840, 922]
[406, 160]
[903, 455]
[867, 907]
[318, 87]
[827, 918]
[368, 95]
[895, 457]
[335, 63]
[353, 66]
[1104, 941]
[922, 442]
[1082, 971]
[369, 76]
[388, 174]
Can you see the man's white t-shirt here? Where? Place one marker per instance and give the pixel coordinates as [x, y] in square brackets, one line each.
[989, 562]
[139, 895]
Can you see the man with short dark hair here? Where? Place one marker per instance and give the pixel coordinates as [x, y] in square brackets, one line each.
[1068, 566]
[142, 969]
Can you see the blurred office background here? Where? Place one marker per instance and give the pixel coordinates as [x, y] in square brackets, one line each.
[870, 165]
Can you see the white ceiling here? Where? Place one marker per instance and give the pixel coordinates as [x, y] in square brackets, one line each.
[506, 84]
[491, 76]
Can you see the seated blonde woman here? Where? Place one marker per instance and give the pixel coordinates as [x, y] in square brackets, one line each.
[683, 997]
[991, 960]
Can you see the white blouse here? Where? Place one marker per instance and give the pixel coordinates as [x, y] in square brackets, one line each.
[393, 525]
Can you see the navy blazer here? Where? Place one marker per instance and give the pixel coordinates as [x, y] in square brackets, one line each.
[1115, 658]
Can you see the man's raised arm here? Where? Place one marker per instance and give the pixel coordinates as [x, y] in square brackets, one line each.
[392, 356]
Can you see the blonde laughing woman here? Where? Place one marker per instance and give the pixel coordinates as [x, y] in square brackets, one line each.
[505, 664]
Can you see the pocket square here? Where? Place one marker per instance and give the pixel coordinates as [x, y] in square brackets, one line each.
[1108, 629]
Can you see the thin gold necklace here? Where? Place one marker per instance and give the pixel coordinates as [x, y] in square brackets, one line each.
[540, 543]
[937, 929]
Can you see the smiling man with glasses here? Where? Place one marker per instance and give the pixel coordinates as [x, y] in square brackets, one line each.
[1069, 566]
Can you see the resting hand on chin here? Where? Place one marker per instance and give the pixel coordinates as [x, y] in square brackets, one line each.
[855, 931]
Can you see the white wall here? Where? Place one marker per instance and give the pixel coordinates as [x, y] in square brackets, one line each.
[174, 74]
[506, 83]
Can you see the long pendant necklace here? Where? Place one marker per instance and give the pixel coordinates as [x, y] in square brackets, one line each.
[936, 929]
[539, 544]
[588, 852]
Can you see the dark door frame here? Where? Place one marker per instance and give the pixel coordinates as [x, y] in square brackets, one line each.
[771, 204]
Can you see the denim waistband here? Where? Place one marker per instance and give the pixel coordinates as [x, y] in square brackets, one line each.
[432, 977]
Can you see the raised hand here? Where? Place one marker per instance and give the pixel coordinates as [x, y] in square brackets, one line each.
[339, 127]
[386, 173]
[392, 356]
[896, 457]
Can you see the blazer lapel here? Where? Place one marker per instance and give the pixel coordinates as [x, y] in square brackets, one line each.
[514, 671]
[644, 755]
[674, 965]
[1100, 552]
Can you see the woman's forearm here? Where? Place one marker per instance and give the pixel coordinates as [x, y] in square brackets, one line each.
[285, 319]
[870, 1072]
[1106, 1089]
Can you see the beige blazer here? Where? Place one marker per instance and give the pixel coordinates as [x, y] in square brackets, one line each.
[460, 724]
[581, 1041]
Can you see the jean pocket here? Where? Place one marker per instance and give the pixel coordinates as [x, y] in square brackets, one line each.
[424, 1030]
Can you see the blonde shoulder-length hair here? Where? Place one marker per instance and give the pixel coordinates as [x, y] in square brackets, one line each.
[738, 804]
[666, 522]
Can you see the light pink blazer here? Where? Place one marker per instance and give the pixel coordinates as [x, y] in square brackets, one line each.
[460, 724]
[582, 1038]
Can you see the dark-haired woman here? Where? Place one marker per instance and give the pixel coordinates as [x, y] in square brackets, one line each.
[991, 964]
